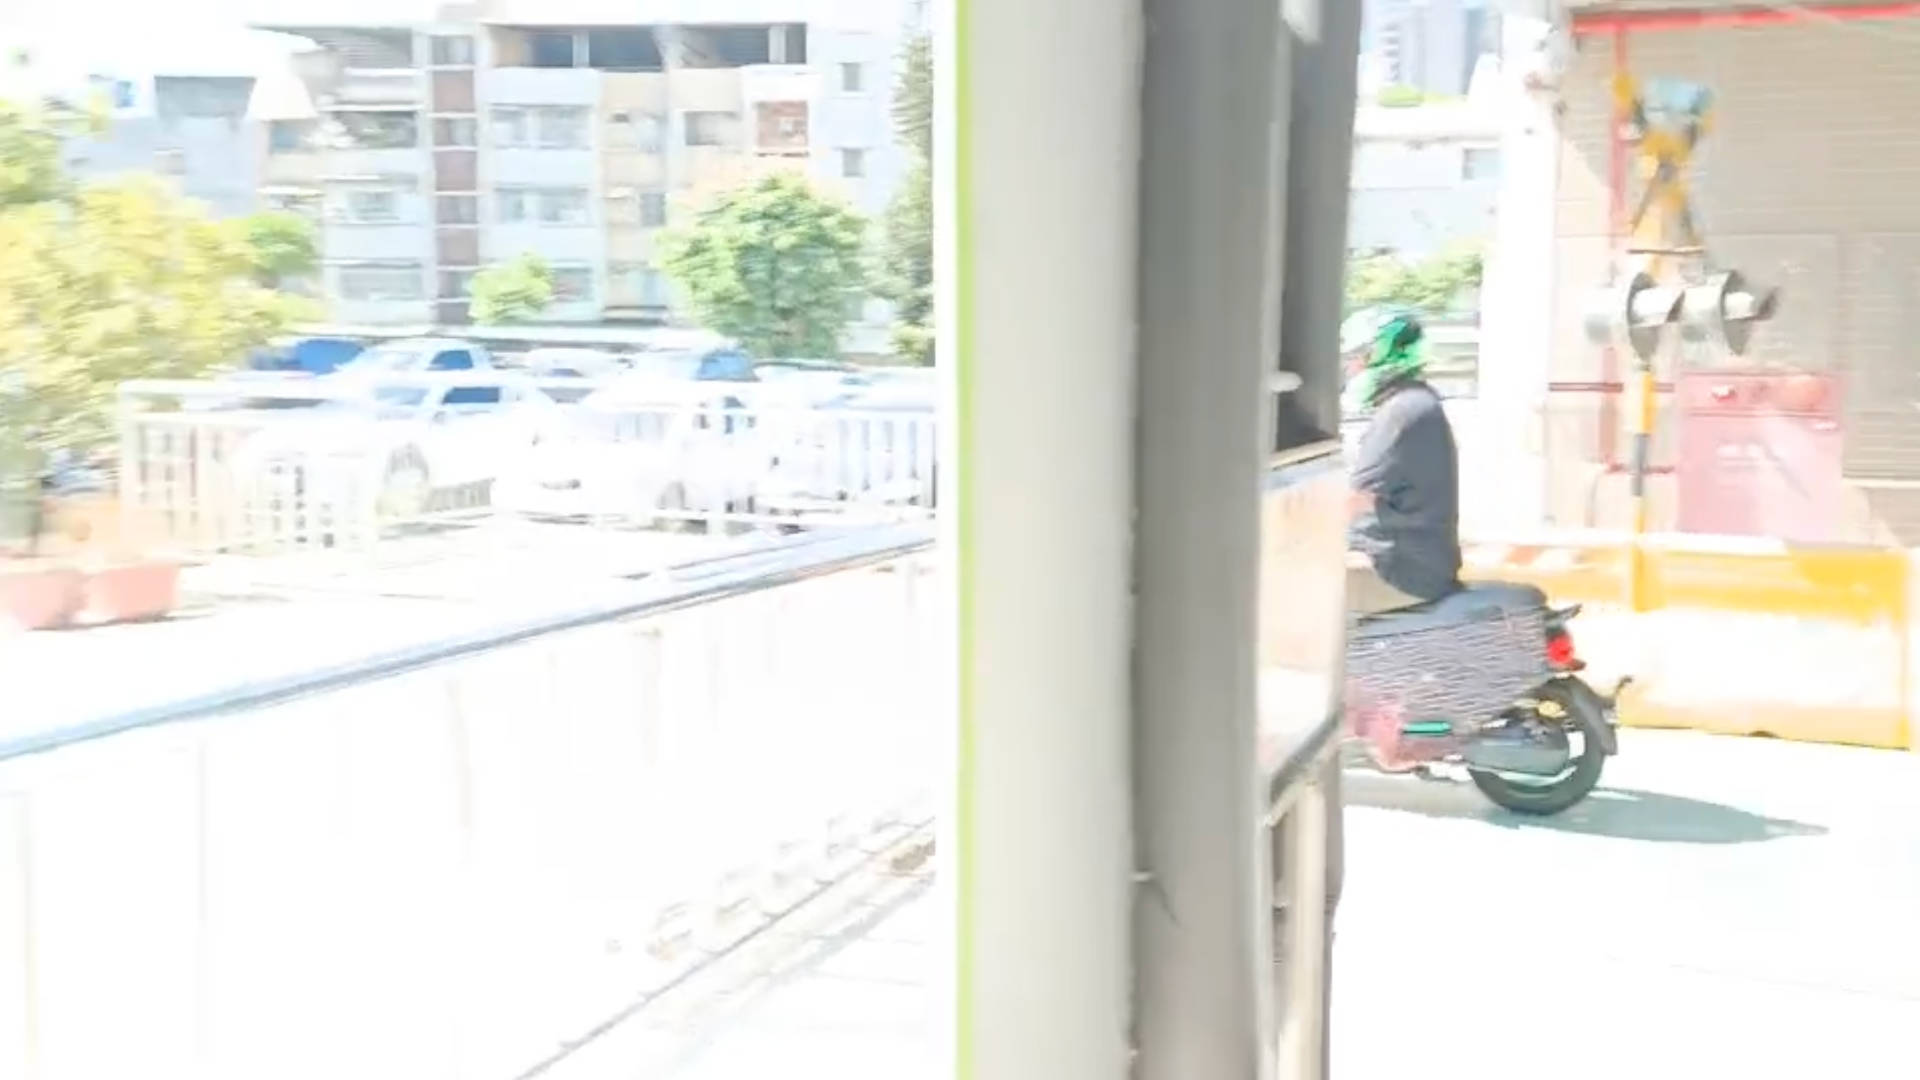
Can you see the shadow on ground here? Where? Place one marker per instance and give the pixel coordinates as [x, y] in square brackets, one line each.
[1622, 813]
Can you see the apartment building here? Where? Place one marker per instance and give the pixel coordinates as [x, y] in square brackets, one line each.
[577, 130]
[1425, 178]
[1430, 45]
[185, 118]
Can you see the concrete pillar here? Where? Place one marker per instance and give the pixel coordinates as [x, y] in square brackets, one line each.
[1037, 164]
[1504, 479]
[1109, 869]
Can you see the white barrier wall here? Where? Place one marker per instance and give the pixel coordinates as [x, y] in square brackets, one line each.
[453, 872]
[262, 481]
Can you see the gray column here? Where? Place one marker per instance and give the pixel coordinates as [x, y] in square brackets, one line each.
[1325, 36]
[1212, 195]
[1039, 142]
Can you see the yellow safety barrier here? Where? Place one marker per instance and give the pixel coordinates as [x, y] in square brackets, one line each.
[1734, 636]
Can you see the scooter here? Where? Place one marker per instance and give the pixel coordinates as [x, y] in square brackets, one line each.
[1485, 679]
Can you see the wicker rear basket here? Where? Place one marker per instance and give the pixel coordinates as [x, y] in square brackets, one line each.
[1465, 672]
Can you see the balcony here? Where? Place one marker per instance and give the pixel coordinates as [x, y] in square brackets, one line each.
[370, 88]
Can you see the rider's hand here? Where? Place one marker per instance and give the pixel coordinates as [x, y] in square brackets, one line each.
[1359, 502]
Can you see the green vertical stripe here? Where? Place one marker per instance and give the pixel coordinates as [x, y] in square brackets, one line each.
[960, 220]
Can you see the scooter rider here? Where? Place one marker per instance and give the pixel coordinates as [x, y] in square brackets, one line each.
[1404, 536]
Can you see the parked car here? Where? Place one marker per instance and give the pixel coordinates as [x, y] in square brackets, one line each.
[305, 356]
[722, 364]
[410, 356]
[638, 450]
[411, 440]
[568, 362]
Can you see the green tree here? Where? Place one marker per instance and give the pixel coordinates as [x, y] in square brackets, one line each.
[906, 265]
[118, 281]
[30, 153]
[282, 246]
[913, 96]
[517, 290]
[1398, 96]
[906, 255]
[772, 264]
[1432, 285]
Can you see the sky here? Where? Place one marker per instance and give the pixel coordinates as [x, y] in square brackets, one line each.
[138, 36]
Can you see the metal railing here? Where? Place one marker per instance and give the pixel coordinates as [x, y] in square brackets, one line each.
[461, 859]
[1308, 844]
[235, 467]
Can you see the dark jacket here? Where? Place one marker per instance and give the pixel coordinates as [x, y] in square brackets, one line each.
[1408, 463]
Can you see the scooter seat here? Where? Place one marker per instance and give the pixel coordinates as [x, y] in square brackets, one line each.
[1474, 602]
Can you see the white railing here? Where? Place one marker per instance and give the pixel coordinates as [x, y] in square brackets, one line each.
[212, 467]
[461, 860]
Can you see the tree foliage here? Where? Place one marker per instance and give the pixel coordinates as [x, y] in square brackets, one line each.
[1434, 285]
[913, 96]
[773, 265]
[110, 281]
[906, 256]
[517, 290]
[906, 265]
[283, 247]
[30, 155]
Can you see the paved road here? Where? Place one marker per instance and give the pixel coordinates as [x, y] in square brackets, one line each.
[1729, 907]
[1726, 908]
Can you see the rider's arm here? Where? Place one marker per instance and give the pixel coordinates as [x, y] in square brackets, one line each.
[1376, 465]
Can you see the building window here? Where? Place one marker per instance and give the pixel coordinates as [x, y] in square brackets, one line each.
[562, 127]
[572, 284]
[1480, 163]
[624, 49]
[284, 136]
[563, 206]
[787, 44]
[636, 285]
[373, 206]
[510, 127]
[455, 131]
[780, 127]
[549, 127]
[514, 205]
[457, 209]
[452, 50]
[550, 49]
[456, 284]
[546, 206]
[853, 163]
[634, 131]
[379, 130]
[713, 128]
[653, 209]
[852, 78]
[380, 282]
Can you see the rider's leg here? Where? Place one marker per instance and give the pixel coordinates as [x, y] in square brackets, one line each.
[1368, 593]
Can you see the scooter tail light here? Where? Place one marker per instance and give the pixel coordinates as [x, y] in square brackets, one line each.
[1560, 650]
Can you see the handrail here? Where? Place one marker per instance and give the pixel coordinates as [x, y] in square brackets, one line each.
[696, 583]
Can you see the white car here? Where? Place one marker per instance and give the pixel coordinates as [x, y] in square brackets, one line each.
[639, 450]
[404, 440]
[573, 363]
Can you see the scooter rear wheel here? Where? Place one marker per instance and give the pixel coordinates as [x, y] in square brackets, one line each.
[1580, 716]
